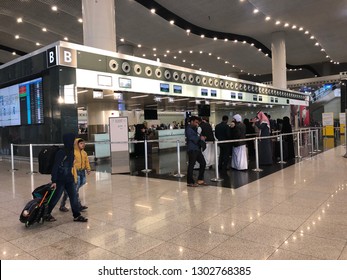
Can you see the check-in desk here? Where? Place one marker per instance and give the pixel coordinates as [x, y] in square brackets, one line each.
[168, 138]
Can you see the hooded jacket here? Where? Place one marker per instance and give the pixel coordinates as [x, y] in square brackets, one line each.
[81, 159]
[63, 161]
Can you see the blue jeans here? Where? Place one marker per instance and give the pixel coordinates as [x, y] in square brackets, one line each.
[69, 188]
[81, 180]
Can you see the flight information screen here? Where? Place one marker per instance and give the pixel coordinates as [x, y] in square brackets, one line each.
[22, 104]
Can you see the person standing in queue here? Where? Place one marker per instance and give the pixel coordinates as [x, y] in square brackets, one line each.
[222, 133]
[194, 152]
[63, 179]
[265, 149]
[209, 153]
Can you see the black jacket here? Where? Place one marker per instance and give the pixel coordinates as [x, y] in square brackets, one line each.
[206, 130]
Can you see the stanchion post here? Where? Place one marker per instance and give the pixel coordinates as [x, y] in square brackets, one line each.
[31, 159]
[12, 158]
[281, 149]
[257, 169]
[216, 179]
[312, 145]
[317, 141]
[298, 142]
[146, 170]
[179, 175]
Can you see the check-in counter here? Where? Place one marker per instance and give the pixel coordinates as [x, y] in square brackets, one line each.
[164, 137]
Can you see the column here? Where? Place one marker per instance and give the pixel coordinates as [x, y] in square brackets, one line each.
[99, 24]
[279, 71]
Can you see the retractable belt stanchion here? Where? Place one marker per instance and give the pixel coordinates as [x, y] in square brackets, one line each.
[179, 175]
[281, 149]
[317, 141]
[216, 179]
[31, 159]
[298, 141]
[312, 145]
[257, 169]
[146, 170]
[12, 158]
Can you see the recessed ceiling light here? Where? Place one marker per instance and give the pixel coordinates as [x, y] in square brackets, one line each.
[16, 37]
[165, 55]
[226, 39]
[192, 64]
[172, 21]
[316, 44]
[218, 57]
[286, 24]
[190, 51]
[255, 11]
[307, 32]
[44, 29]
[19, 20]
[168, 51]
[201, 52]
[215, 38]
[252, 44]
[66, 38]
[80, 20]
[54, 8]
[312, 37]
[122, 40]
[14, 53]
[154, 49]
[259, 50]
[235, 41]
[210, 54]
[278, 22]
[152, 11]
[139, 45]
[294, 27]
[301, 29]
[155, 54]
[202, 36]
[267, 18]
[179, 51]
[183, 60]
[175, 57]
[244, 42]
[144, 55]
[38, 44]
[188, 30]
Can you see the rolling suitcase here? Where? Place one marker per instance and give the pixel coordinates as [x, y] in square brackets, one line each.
[36, 209]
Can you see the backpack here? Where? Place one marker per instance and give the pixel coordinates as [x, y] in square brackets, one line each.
[46, 159]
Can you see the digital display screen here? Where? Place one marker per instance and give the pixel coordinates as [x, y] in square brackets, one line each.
[233, 95]
[260, 98]
[272, 99]
[213, 93]
[164, 87]
[239, 95]
[276, 100]
[124, 83]
[255, 98]
[22, 104]
[204, 92]
[177, 89]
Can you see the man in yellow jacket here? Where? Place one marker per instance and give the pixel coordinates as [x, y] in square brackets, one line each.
[79, 170]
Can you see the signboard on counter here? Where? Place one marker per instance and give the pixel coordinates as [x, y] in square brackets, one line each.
[328, 124]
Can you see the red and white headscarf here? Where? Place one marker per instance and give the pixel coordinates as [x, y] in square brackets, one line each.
[263, 119]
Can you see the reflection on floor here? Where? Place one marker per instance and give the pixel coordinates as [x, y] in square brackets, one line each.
[298, 212]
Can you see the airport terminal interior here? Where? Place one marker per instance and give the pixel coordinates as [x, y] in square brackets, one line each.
[126, 76]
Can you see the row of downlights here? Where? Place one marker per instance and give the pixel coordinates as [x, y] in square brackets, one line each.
[159, 73]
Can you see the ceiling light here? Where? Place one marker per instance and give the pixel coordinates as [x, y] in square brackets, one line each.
[226, 62]
[144, 55]
[44, 29]
[294, 27]
[153, 11]
[54, 8]
[190, 51]
[235, 41]
[322, 50]
[252, 44]
[278, 22]
[312, 37]
[168, 51]
[202, 36]
[301, 29]
[307, 32]
[327, 56]
[172, 21]
[183, 60]
[19, 20]
[16, 37]
[200, 52]
[192, 64]
[255, 11]
[267, 54]
[179, 51]
[122, 40]
[14, 53]
[316, 44]
[38, 44]
[267, 18]
[286, 24]
[139, 45]
[188, 30]
[154, 49]
[226, 39]
[215, 38]
[175, 57]
[66, 38]
[165, 55]
[80, 20]
[218, 57]
[259, 50]
[209, 54]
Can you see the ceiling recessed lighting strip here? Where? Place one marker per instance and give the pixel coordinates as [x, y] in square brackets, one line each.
[206, 33]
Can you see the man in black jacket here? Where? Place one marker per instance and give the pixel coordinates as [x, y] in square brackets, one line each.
[222, 132]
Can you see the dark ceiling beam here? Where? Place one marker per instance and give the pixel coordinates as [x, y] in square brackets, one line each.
[11, 50]
[197, 30]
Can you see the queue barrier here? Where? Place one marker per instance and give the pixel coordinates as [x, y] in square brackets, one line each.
[302, 135]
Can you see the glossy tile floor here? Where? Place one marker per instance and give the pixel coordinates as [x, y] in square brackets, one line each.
[299, 212]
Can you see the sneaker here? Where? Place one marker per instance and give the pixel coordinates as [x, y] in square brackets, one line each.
[63, 209]
[80, 218]
[83, 208]
[50, 218]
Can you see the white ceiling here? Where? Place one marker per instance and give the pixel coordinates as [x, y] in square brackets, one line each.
[326, 20]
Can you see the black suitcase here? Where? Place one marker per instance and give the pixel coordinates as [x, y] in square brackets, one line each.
[36, 209]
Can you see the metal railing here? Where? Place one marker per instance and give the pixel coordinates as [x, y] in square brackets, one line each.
[303, 137]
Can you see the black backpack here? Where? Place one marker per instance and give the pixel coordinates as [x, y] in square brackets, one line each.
[46, 159]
